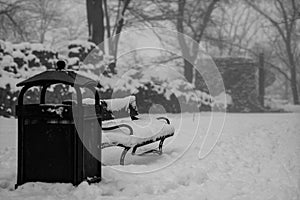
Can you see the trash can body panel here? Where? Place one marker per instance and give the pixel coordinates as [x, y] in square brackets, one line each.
[48, 152]
[50, 147]
[92, 152]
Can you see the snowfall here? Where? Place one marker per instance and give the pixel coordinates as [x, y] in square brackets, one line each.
[211, 156]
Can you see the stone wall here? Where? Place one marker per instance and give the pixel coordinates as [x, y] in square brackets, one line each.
[240, 77]
[241, 83]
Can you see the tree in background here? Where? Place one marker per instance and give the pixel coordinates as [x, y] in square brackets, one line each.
[242, 31]
[226, 28]
[99, 17]
[186, 16]
[283, 17]
[29, 20]
[196, 21]
[10, 24]
[236, 29]
[95, 19]
[113, 32]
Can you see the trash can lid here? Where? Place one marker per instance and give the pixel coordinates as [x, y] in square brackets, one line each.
[68, 77]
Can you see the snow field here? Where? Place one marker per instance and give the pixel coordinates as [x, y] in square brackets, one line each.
[257, 157]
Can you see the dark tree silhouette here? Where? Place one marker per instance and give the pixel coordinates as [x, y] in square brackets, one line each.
[95, 18]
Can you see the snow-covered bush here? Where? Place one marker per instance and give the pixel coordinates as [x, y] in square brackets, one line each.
[79, 50]
[17, 63]
[86, 56]
[156, 85]
[153, 85]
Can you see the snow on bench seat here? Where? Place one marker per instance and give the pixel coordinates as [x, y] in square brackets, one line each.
[114, 104]
[143, 131]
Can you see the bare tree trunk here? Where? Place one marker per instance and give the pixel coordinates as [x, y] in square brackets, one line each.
[293, 70]
[191, 52]
[95, 18]
[286, 89]
[294, 85]
[113, 43]
[261, 80]
[108, 31]
[188, 67]
[119, 26]
[188, 71]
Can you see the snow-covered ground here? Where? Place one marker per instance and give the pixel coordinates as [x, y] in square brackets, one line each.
[257, 157]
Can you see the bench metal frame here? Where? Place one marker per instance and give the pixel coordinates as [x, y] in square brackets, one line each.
[134, 148]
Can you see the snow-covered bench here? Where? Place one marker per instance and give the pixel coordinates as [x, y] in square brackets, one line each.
[131, 133]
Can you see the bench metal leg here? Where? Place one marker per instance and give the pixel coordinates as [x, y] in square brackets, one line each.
[158, 151]
[160, 146]
[134, 150]
[126, 149]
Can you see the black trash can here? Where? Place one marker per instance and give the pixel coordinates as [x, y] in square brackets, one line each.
[59, 143]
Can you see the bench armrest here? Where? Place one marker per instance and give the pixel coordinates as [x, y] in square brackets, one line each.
[118, 126]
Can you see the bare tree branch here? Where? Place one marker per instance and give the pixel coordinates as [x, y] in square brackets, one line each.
[263, 13]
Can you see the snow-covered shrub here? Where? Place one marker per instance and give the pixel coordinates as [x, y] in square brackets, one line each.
[21, 61]
[78, 51]
[148, 95]
[8, 99]
[17, 63]
[222, 102]
[30, 55]
[89, 57]
[45, 56]
[17, 59]
[153, 85]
